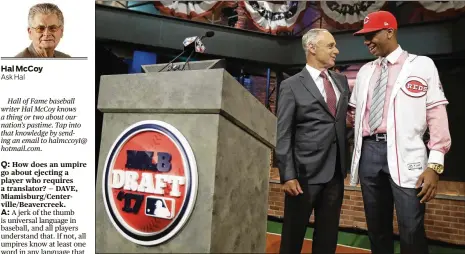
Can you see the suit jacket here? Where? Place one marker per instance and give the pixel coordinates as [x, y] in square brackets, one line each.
[309, 137]
[30, 52]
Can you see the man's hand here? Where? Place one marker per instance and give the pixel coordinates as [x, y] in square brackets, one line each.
[430, 179]
[350, 119]
[292, 187]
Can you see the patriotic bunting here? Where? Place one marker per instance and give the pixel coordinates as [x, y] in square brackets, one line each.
[443, 8]
[348, 15]
[274, 17]
[186, 9]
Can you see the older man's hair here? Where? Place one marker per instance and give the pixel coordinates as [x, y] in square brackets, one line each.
[311, 37]
[45, 9]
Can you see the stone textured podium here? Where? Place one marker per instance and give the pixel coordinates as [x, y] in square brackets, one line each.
[231, 134]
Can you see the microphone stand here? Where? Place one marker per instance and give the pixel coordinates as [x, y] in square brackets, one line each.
[172, 61]
[187, 60]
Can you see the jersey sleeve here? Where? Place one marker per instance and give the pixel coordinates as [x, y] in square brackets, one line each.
[435, 94]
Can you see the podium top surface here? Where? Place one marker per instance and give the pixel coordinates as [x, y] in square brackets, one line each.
[182, 66]
[210, 91]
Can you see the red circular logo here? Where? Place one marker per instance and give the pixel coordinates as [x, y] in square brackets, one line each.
[150, 182]
[416, 86]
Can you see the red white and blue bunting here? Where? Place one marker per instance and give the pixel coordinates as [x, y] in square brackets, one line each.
[443, 7]
[274, 17]
[187, 9]
[348, 15]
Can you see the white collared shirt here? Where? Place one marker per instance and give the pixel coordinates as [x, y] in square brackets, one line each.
[315, 74]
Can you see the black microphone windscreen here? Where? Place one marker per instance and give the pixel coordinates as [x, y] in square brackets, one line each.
[210, 34]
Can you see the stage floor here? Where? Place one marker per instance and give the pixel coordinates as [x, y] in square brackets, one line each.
[273, 240]
[347, 242]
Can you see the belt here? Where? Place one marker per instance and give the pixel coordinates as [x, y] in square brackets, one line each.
[377, 137]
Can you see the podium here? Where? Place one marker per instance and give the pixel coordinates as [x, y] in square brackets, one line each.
[184, 163]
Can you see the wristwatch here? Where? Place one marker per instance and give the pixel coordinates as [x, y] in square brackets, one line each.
[438, 168]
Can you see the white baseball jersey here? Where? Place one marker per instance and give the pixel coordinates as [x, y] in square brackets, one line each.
[416, 89]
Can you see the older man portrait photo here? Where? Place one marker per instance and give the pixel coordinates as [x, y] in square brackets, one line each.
[45, 30]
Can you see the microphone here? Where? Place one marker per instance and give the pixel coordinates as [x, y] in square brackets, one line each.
[189, 45]
[193, 45]
[209, 34]
[199, 47]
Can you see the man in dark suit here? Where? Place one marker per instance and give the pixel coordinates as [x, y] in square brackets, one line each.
[311, 146]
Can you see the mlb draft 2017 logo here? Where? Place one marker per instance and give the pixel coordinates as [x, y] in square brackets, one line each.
[150, 182]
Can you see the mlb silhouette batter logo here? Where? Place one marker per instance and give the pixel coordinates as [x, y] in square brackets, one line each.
[160, 207]
[150, 182]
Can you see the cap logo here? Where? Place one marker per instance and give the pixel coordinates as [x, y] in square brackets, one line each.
[366, 20]
[386, 24]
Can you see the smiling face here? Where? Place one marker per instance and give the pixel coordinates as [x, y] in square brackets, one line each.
[325, 50]
[380, 43]
[45, 31]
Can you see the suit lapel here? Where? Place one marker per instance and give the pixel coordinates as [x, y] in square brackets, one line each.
[308, 83]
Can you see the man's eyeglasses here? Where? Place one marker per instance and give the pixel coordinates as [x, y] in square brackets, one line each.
[40, 29]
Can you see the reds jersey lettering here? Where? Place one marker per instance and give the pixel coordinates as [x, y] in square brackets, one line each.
[416, 87]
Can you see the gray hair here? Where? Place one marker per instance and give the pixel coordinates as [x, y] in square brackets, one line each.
[311, 37]
[45, 9]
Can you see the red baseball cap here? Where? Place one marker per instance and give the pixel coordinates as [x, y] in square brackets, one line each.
[376, 21]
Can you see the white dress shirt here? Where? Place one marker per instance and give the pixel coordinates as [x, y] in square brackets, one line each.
[315, 74]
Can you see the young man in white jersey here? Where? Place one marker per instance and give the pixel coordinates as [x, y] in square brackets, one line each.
[395, 99]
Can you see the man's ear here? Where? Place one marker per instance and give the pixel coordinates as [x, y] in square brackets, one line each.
[29, 32]
[390, 33]
[311, 48]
